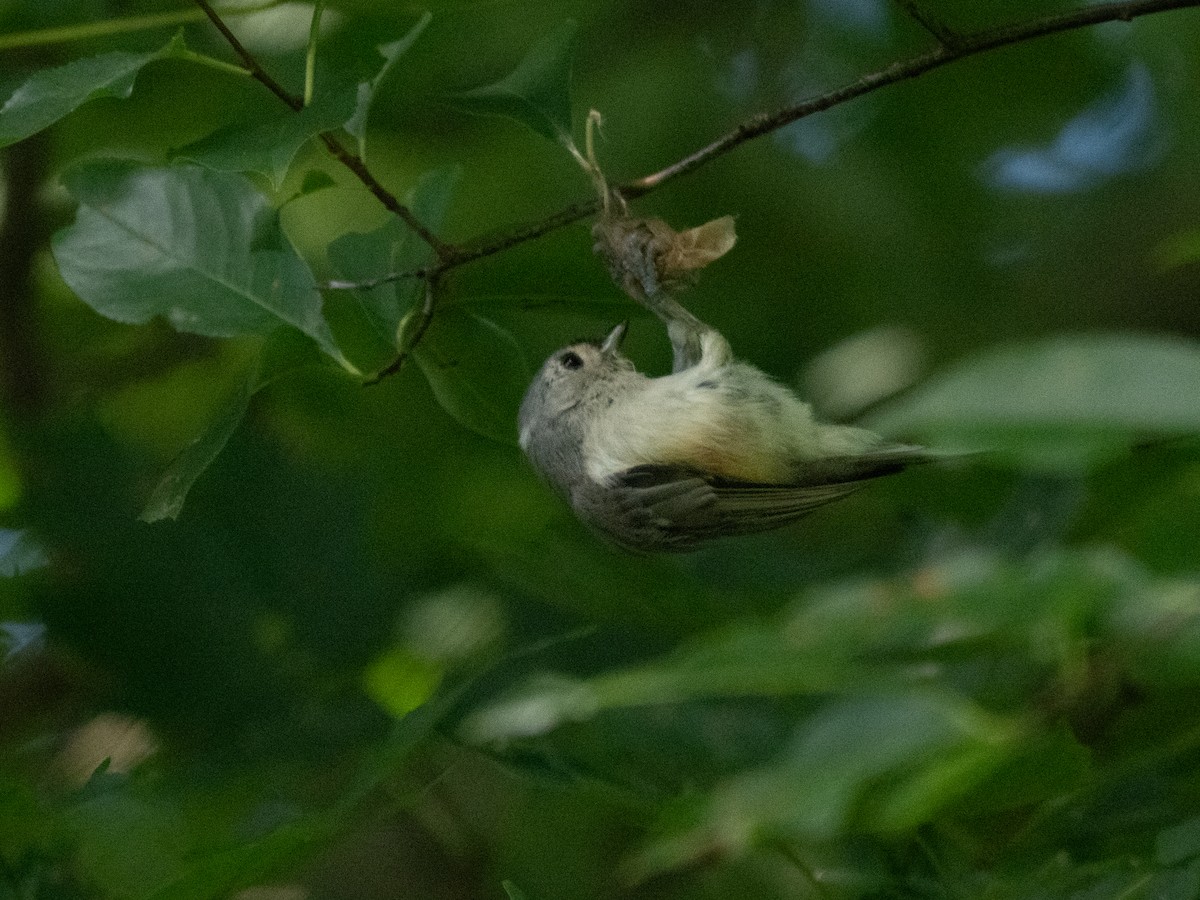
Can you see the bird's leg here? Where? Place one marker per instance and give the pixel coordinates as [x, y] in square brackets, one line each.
[684, 329]
[633, 250]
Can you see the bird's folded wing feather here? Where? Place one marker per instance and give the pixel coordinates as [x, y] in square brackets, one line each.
[674, 508]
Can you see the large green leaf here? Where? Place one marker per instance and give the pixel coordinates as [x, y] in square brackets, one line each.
[876, 762]
[166, 500]
[108, 820]
[50, 94]
[201, 249]
[537, 92]
[476, 370]
[753, 661]
[362, 257]
[268, 145]
[223, 872]
[391, 53]
[284, 351]
[1059, 397]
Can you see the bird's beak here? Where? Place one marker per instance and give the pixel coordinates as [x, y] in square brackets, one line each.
[612, 343]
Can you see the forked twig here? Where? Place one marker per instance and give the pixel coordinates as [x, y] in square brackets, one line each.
[350, 160]
[951, 47]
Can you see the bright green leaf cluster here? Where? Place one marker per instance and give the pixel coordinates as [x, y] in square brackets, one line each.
[199, 246]
[940, 698]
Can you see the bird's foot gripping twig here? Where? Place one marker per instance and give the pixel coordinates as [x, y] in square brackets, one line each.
[651, 261]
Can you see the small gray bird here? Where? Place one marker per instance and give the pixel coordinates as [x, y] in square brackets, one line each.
[715, 448]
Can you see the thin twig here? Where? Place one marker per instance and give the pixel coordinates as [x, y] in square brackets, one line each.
[310, 56]
[352, 162]
[413, 337]
[372, 283]
[961, 47]
[965, 45]
[485, 245]
[257, 72]
[944, 36]
[496, 242]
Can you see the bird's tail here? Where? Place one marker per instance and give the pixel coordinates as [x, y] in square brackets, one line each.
[875, 463]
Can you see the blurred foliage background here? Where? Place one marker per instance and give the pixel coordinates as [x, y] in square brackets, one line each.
[374, 657]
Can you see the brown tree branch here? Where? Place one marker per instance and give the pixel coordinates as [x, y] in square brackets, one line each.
[248, 60]
[952, 47]
[350, 160]
[962, 47]
[499, 241]
[958, 47]
[354, 163]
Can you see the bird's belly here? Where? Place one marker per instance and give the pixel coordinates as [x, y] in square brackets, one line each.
[724, 453]
[706, 444]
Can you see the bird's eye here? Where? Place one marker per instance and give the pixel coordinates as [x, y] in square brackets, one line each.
[571, 360]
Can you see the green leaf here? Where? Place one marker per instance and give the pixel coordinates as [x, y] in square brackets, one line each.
[166, 501]
[1042, 767]
[476, 370]
[226, 871]
[200, 248]
[358, 257]
[1172, 884]
[267, 146]
[316, 180]
[391, 53]
[1179, 843]
[361, 257]
[281, 353]
[167, 498]
[873, 762]
[514, 892]
[746, 662]
[408, 735]
[51, 94]
[1058, 401]
[537, 92]
[126, 843]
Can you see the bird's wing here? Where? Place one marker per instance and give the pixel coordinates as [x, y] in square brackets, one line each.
[650, 508]
[672, 508]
